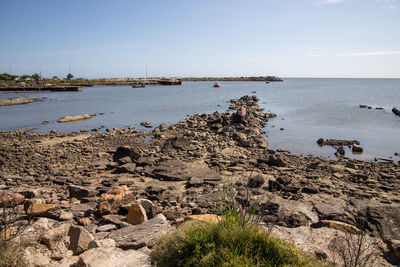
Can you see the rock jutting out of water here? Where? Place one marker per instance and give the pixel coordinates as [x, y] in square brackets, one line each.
[17, 101]
[75, 118]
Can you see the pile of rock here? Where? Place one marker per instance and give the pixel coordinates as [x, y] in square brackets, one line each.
[340, 144]
[116, 185]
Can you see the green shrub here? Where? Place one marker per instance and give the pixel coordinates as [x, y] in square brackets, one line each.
[227, 243]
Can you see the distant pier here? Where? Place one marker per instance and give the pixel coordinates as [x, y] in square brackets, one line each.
[41, 89]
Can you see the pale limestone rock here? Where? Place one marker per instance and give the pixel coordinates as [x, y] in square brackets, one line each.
[79, 239]
[114, 257]
[54, 236]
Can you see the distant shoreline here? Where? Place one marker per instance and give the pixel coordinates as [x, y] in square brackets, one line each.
[62, 85]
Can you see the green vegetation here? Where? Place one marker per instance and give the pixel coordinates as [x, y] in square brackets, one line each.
[237, 240]
[225, 244]
[36, 77]
[7, 77]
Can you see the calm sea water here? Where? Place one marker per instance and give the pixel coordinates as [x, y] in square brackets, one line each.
[307, 109]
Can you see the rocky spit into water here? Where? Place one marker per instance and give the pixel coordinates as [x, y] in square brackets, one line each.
[104, 199]
[17, 101]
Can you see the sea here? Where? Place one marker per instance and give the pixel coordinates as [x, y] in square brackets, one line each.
[306, 109]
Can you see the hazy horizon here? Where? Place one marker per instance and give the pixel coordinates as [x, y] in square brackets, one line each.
[290, 38]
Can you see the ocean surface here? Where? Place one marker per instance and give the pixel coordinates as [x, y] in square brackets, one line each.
[306, 109]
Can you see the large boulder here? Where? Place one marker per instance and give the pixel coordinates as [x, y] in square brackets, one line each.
[113, 257]
[177, 170]
[141, 235]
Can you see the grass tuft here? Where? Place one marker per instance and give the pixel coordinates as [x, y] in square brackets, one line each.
[227, 243]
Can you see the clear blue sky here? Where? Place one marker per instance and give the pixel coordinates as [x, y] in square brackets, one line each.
[287, 38]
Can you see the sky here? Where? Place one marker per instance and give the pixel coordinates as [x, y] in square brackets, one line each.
[184, 38]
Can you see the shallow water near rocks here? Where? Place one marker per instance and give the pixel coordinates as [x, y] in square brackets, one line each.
[306, 109]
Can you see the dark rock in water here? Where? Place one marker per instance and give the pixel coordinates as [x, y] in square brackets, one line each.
[127, 151]
[357, 149]
[396, 111]
[177, 170]
[335, 142]
[363, 106]
[320, 141]
[146, 124]
[341, 151]
[255, 181]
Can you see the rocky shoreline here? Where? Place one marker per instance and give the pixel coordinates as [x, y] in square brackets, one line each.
[113, 194]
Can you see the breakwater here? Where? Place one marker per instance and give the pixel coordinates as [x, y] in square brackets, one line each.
[41, 89]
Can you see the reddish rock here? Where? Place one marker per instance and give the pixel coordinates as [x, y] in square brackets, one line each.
[113, 199]
[136, 214]
[10, 200]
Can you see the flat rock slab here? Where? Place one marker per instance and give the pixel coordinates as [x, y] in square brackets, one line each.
[319, 241]
[384, 220]
[177, 170]
[145, 234]
[113, 257]
[74, 118]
